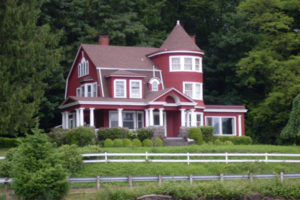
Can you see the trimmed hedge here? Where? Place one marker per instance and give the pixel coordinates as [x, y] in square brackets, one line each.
[157, 142]
[118, 143]
[147, 143]
[108, 143]
[144, 133]
[136, 143]
[196, 134]
[207, 133]
[9, 142]
[112, 133]
[127, 143]
[235, 139]
[81, 136]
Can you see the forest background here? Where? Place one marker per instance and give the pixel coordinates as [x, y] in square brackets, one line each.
[252, 53]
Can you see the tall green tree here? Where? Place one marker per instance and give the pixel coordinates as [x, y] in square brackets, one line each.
[271, 69]
[28, 56]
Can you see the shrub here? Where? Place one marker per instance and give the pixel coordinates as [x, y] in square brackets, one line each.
[132, 134]
[228, 142]
[145, 133]
[196, 134]
[207, 133]
[218, 142]
[157, 142]
[71, 158]
[81, 136]
[235, 139]
[147, 143]
[108, 143]
[112, 133]
[127, 143]
[117, 143]
[6, 164]
[37, 171]
[136, 143]
[9, 142]
[58, 135]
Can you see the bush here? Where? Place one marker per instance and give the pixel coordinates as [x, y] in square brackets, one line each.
[207, 133]
[117, 143]
[147, 143]
[228, 142]
[127, 143]
[71, 158]
[136, 143]
[218, 142]
[108, 143]
[6, 164]
[235, 139]
[145, 133]
[157, 142]
[112, 133]
[132, 134]
[196, 134]
[9, 142]
[81, 136]
[58, 135]
[37, 171]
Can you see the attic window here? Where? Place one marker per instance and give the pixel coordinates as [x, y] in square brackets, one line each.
[154, 83]
[83, 67]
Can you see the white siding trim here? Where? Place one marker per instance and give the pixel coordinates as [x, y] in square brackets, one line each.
[178, 51]
[125, 88]
[128, 69]
[101, 82]
[226, 110]
[240, 125]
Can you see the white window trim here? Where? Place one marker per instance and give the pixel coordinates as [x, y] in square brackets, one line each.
[85, 86]
[83, 67]
[135, 118]
[201, 117]
[182, 64]
[221, 128]
[140, 89]
[194, 89]
[125, 88]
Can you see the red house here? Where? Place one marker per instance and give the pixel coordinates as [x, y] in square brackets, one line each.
[138, 87]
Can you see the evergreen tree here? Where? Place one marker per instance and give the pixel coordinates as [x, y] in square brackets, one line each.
[28, 56]
[291, 131]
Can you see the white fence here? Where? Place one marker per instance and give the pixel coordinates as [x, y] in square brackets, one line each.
[191, 157]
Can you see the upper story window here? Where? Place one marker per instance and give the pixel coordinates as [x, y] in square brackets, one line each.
[120, 88]
[193, 90]
[185, 63]
[87, 90]
[83, 67]
[135, 88]
[154, 83]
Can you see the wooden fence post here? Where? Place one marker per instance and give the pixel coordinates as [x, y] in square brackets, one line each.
[191, 179]
[188, 158]
[6, 184]
[98, 183]
[281, 177]
[251, 177]
[130, 181]
[222, 177]
[159, 180]
[226, 157]
[105, 156]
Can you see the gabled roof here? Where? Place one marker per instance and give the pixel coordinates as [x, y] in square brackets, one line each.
[179, 40]
[119, 56]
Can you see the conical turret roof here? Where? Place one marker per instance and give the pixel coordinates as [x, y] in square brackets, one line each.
[179, 40]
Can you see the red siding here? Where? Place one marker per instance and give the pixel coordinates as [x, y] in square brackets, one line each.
[74, 81]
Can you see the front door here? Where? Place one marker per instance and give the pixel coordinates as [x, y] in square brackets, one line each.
[173, 123]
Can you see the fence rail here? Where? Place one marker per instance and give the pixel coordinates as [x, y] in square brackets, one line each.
[190, 157]
[160, 179]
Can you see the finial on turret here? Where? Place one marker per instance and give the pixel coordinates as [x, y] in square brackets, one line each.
[178, 22]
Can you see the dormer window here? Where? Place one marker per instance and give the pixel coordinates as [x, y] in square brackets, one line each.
[120, 88]
[154, 84]
[83, 67]
[185, 64]
[135, 88]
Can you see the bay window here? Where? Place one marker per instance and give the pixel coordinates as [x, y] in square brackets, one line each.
[87, 90]
[193, 90]
[222, 125]
[185, 63]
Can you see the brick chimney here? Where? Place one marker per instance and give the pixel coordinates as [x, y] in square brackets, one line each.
[193, 37]
[103, 40]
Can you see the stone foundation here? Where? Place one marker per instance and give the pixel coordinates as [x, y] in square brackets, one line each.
[184, 132]
[159, 131]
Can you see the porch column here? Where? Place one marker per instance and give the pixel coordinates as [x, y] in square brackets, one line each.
[147, 117]
[151, 116]
[63, 119]
[77, 118]
[81, 117]
[120, 117]
[92, 120]
[182, 111]
[66, 120]
[240, 125]
[193, 117]
[161, 117]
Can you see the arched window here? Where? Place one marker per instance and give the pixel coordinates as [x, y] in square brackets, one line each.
[155, 86]
[83, 67]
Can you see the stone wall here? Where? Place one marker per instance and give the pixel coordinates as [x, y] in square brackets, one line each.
[159, 131]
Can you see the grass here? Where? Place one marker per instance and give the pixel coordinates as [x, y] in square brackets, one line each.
[290, 189]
